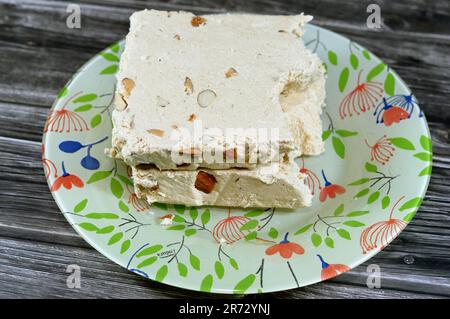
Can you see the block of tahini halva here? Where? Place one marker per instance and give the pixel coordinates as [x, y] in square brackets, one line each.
[182, 74]
[271, 185]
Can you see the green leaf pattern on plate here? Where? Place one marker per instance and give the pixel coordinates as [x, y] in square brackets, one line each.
[377, 185]
[343, 79]
[337, 137]
[328, 229]
[111, 55]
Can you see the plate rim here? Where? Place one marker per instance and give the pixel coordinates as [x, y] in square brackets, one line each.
[178, 283]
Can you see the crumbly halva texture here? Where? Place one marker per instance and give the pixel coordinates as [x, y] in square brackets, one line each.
[227, 71]
[271, 185]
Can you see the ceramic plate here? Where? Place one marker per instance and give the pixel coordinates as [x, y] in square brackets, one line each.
[367, 186]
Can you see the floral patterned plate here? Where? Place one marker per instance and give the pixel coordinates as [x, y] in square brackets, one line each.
[367, 186]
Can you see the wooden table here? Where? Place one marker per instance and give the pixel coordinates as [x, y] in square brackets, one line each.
[38, 54]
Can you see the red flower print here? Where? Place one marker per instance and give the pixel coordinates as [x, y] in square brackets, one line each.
[66, 180]
[229, 229]
[332, 270]
[379, 234]
[364, 97]
[129, 171]
[390, 114]
[138, 204]
[406, 102]
[381, 151]
[63, 119]
[330, 190]
[285, 248]
[49, 166]
[311, 179]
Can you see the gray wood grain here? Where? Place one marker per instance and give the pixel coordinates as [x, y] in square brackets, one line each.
[38, 54]
[426, 239]
[33, 264]
[55, 52]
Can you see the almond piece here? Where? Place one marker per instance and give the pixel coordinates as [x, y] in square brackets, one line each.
[161, 101]
[156, 132]
[169, 216]
[120, 104]
[231, 72]
[112, 152]
[192, 118]
[192, 151]
[198, 21]
[154, 188]
[230, 154]
[128, 86]
[146, 166]
[205, 182]
[166, 220]
[296, 33]
[188, 86]
[206, 97]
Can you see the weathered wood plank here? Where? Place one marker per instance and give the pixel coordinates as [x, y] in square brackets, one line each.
[34, 263]
[54, 52]
[29, 212]
[52, 69]
[417, 16]
[22, 121]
